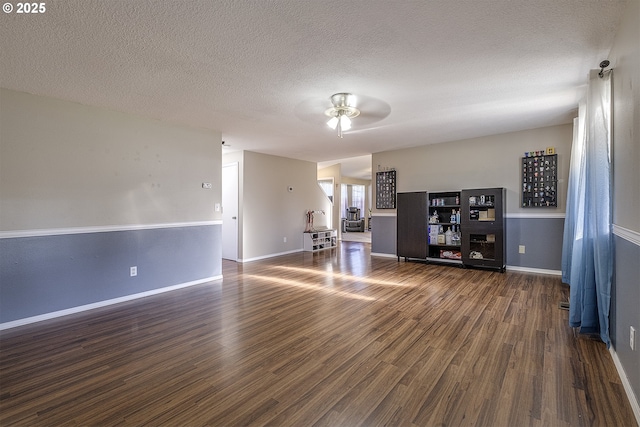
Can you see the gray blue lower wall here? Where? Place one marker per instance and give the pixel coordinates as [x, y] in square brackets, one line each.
[45, 274]
[625, 309]
[383, 235]
[541, 237]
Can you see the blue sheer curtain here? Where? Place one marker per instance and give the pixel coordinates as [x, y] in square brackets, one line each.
[587, 253]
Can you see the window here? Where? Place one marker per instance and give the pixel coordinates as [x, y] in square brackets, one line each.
[352, 195]
[357, 197]
[327, 187]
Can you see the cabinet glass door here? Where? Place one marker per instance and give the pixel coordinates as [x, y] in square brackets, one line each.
[482, 246]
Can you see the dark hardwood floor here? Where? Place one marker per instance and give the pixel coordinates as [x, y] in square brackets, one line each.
[329, 339]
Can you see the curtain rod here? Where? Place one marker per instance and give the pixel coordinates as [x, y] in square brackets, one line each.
[604, 64]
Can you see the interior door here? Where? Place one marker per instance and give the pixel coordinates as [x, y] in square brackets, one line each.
[230, 211]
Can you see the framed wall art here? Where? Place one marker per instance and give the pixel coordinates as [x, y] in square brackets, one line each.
[386, 190]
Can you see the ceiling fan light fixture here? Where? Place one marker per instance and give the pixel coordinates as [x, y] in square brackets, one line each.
[345, 122]
[333, 122]
[343, 110]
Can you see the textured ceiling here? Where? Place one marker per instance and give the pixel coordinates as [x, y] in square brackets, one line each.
[262, 71]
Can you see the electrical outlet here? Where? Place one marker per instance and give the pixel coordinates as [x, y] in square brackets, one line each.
[133, 271]
[284, 239]
[632, 337]
[521, 249]
[207, 185]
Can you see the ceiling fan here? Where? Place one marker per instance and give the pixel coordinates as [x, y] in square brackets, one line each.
[345, 112]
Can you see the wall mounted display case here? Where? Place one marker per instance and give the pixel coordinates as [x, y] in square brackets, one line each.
[386, 190]
[539, 181]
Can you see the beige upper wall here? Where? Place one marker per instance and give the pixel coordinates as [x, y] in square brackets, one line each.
[63, 164]
[271, 212]
[492, 161]
[625, 59]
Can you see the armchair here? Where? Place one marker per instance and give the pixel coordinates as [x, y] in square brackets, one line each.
[353, 221]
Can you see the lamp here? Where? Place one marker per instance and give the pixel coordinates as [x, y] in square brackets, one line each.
[343, 110]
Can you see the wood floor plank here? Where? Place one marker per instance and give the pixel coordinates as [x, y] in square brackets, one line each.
[331, 338]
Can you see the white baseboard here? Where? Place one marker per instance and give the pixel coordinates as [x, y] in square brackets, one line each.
[633, 400]
[269, 256]
[384, 255]
[73, 310]
[534, 270]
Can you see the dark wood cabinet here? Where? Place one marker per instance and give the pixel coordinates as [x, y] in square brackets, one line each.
[465, 227]
[483, 227]
[411, 217]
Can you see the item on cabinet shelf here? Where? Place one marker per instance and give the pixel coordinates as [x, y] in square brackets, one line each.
[447, 237]
[475, 255]
[457, 199]
[472, 200]
[434, 219]
[449, 254]
[454, 217]
[455, 238]
[433, 234]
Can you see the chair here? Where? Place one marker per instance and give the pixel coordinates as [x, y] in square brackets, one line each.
[353, 221]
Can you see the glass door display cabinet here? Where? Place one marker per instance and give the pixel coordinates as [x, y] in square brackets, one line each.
[483, 227]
